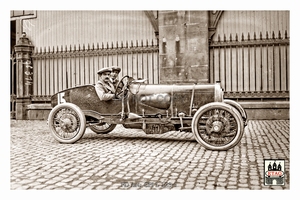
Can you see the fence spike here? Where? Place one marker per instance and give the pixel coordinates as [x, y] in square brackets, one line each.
[267, 35]
[121, 44]
[131, 43]
[74, 47]
[61, 48]
[260, 35]
[242, 36]
[285, 34]
[88, 48]
[273, 35]
[142, 43]
[112, 45]
[107, 46]
[224, 37]
[66, 48]
[57, 49]
[126, 44]
[136, 43]
[152, 42]
[97, 45]
[279, 35]
[230, 37]
[219, 38]
[248, 36]
[236, 37]
[83, 47]
[93, 46]
[79, 47]
[254, 36]
[41, 49]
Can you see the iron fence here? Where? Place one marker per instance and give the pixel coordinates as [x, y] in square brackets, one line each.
[59, 68]
[257, 67]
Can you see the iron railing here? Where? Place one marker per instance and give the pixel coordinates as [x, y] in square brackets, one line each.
[57, 68]
[251, 68]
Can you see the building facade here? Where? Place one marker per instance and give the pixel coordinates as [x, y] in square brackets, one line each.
[248, 51]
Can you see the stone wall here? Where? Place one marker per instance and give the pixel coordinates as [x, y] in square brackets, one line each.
[183, 37]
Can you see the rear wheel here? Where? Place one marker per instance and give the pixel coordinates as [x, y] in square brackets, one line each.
[218, 126]
[103, 128]
[67, 123]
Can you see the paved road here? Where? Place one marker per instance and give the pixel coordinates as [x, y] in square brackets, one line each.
[129, 159]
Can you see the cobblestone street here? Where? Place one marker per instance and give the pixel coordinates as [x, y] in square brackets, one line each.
[128, 159]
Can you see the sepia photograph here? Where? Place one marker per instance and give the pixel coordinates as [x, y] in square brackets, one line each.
[167, 99]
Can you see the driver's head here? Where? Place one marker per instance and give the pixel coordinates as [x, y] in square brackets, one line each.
[104, 74]
[114, 72]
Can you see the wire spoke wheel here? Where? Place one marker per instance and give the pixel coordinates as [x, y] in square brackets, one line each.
[67, 123]
[218, 126]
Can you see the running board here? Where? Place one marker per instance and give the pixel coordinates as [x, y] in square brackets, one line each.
[186, 129]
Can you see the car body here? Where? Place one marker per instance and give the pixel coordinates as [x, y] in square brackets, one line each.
[217, 123]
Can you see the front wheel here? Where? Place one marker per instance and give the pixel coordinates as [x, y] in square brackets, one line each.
[218, 126]
[103, 128]
[67, 123]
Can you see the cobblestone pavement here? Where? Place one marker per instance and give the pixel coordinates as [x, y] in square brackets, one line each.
[128, 159]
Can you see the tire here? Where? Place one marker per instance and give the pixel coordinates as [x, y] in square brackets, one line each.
[217, 126]
[239, 108]
[103, 129]
[67, 123]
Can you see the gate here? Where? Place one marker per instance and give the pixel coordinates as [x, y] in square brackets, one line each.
[59, 68]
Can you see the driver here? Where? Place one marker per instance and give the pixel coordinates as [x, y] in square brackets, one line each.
[115, 70]
[104, 88]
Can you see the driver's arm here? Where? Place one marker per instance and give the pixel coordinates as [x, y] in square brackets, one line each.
[103, 96]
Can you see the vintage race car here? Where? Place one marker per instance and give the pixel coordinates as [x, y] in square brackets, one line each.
[216, 123]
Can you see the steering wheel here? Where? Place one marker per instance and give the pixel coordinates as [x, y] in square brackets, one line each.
[124, 86]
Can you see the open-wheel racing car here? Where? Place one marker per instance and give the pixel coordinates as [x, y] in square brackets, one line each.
[216, 123]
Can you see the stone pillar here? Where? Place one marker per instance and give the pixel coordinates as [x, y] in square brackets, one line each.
[183, 43]
[24, 76]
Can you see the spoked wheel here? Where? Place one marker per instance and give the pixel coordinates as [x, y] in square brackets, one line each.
[67, 123]
[218, 126]
[103, 128]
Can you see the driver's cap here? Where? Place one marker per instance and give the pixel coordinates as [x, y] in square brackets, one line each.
[106, 69]
[116, 68]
